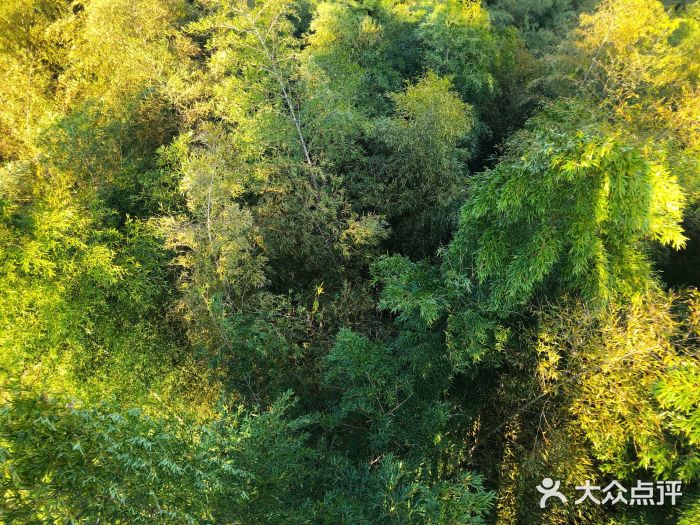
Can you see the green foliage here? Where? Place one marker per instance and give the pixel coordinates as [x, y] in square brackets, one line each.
[459, 43]
[358, 262]
[70, 287]
[390, 493]
[639, 62]
[573, 201]
[592, 382]
[65, 462]
[378, 390]
[425, 169]
[31, 58]
[410, 288]
[543, 23]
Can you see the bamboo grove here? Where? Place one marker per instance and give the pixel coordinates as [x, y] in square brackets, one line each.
[347, 261]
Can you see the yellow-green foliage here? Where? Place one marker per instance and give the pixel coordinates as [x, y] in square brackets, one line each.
[571, 201]
[368, 262]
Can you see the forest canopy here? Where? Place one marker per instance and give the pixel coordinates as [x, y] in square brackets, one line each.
[348, 261]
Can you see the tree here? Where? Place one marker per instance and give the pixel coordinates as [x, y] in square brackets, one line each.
[427, 142]
[64, 461]
[350, 261]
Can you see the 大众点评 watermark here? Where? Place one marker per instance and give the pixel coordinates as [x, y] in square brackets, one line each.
[643, 493]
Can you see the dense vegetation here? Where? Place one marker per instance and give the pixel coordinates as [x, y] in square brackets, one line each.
[347, 261]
